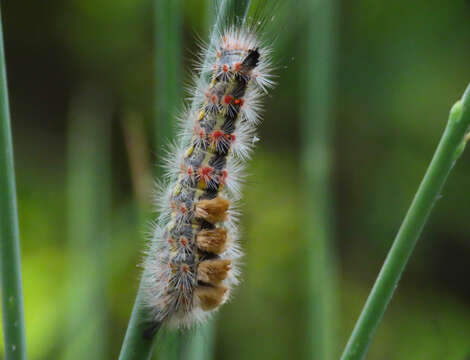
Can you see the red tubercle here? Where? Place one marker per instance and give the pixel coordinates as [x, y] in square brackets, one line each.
[216, 135]
[219, 54]
[184, 268]
[183, 209]
[225, 68]
[214, 99]
[239, 102]
[190, 171]
[237, 66]
[205, 173]
[184, 241]
[228, 99]
[171, 241]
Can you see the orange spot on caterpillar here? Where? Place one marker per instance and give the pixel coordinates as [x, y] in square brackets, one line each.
[213, 210]
[228, 99]
[183, 209]
[219, 54]
[213, 241]
[214, 99]
[183, 241]
[213, 271]
[210, 297]
[232, 137]
[184, 268]
[190, 171]
[237, 66]
[225, 68]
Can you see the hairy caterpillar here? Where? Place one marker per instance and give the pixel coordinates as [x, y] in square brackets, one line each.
[192, 260]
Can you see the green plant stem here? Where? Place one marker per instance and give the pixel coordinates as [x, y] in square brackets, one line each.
[200, 345]
[317, 159]
[137, 343]
[450, 147]
[10, 259]
[168, 97]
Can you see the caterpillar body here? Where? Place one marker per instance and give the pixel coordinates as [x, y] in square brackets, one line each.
[192, 261]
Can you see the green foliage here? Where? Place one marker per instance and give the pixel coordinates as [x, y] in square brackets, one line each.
[449, 150]
[399, 67]
[10, 261]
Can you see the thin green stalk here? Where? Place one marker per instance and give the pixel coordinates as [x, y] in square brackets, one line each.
[317, 127]
[168, 96]
[10, 259]
[138, 342]
[88, 215]
[200, 345]
[450, 147]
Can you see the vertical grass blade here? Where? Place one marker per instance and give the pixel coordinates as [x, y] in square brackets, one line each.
[449, 149]
[88, 216]
[317, 161]
[168, 98]
[10, 259]
[200, 345]
[138, 343]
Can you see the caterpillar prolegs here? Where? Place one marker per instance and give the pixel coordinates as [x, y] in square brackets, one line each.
[192, 261]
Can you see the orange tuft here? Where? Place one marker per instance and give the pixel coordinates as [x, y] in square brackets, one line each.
[213, 241]
[213, 271]
[210, 297]
[213, 210]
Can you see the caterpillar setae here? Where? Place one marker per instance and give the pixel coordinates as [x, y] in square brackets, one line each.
[191, 264]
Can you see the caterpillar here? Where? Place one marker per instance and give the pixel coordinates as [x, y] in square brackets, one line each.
[192, 260]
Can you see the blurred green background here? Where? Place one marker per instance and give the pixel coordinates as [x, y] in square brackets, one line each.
[82, 80]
